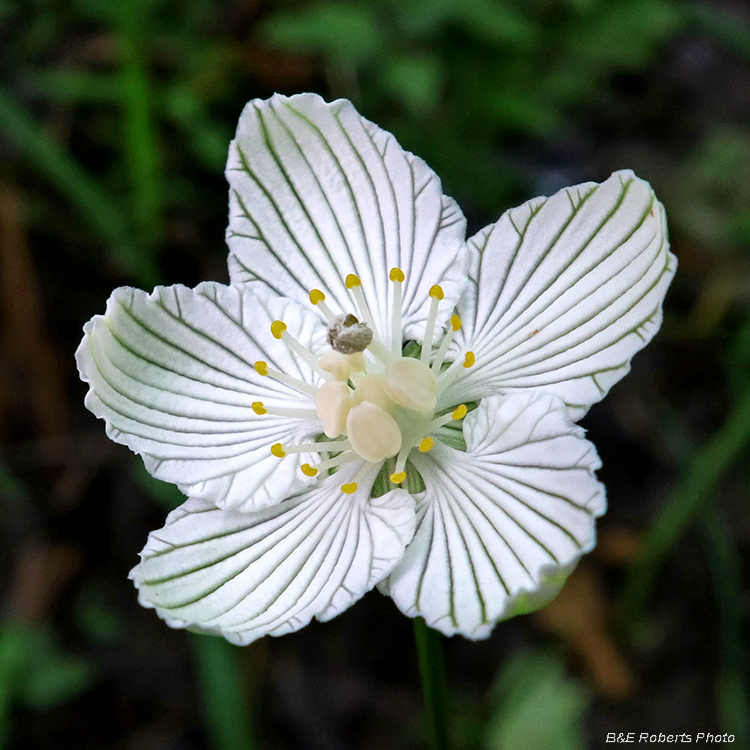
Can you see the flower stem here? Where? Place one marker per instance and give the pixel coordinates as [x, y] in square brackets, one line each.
[224, 697]
[434, 684]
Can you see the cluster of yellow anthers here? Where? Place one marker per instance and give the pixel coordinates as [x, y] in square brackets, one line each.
[374, 402]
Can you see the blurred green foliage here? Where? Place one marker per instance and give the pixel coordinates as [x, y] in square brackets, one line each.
[131, 132]
[537, 706]
[457, 77]
[35, 672]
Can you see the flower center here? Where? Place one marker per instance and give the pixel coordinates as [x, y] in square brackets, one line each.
[375, 403]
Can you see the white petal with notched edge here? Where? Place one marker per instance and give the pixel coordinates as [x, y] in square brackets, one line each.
[245, 575]
[565, 290]
[500, 526]
[318, 192]
[172, 374]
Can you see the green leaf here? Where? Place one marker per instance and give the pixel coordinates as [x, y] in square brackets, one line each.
[415, 80]
[343, 32]
[625, 33]
[538, 706]
[165, 494]
[35, 671]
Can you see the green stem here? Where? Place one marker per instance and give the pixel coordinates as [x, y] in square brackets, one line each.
[224, 695]
[434, 684]
[690, 497]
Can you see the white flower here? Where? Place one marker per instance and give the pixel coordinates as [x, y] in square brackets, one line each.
[343, 249]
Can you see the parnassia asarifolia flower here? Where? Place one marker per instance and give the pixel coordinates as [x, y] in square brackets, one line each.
[374, 400]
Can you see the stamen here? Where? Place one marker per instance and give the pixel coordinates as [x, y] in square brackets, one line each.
[455, 325]
[458, 413]
[351, 487]
[278, 450]
[328, 446]
[354, 285]
[397, 277]
[279, 331]
[340, 460]
[262, 368]
[279, 411]
[454, 371]
[426, 445]
[401, 459]
[436, 294]
[318, 299]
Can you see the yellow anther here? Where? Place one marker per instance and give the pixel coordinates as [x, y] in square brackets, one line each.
[398, 478]
[349, 489]
[352, 280]
[278, 450]
[437, 292]
[397, 274]
[258, 407]
[426, 445]
[469, 359]
[261, 367]
[308, 471]
[459, 412]
[316, 296]
[455, 323]
[277, 328]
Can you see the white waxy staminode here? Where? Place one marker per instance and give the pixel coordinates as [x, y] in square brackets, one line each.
[412, 384]
[337, 364]
[332, 404]
[341, 366]
[372, 388]
[373, 432]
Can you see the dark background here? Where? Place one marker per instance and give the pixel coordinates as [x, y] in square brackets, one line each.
[114, 123]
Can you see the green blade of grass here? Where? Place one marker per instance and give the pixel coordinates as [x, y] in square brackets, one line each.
[75, 86]
[140, 134]
[731, 691]
[94, 205]
[688, 500]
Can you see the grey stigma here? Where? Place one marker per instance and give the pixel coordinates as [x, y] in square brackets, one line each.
[347, 335]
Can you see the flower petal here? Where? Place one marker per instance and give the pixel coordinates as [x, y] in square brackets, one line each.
[501, 526]
[318, 192]
[245, 575]
[566, 290]
[172, 374]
